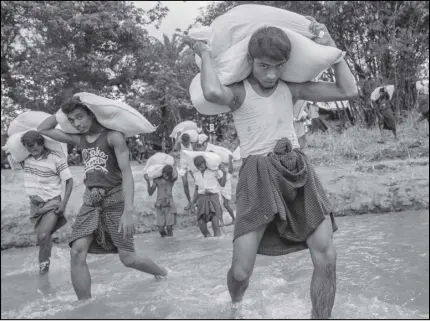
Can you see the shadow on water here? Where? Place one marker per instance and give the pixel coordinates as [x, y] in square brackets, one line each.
[383, 272]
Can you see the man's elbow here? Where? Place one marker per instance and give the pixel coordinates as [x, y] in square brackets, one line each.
[352, 92]
[211, 95]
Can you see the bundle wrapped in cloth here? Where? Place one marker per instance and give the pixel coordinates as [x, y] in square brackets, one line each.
[229, 35]
[155, 164]
[374, 96]
[112, 114]
[212, 160]
[23, 123]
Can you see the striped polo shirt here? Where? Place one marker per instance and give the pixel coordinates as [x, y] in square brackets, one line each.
[44, 175]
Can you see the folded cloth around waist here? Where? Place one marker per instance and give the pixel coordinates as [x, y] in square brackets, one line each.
[208, 205]
[100, 215]
[37, 204]
[282, 191]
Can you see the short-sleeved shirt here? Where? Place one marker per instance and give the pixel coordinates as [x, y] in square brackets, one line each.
[208, 181]
[43, 176]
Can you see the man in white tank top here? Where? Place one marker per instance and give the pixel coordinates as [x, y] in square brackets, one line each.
[262, 106]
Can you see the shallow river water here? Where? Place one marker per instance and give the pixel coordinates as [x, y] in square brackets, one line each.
[383, 272]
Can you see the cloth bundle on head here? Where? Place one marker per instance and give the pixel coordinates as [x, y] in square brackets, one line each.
[23, 123]
[229, 35]
[374, 96]
[112, 114]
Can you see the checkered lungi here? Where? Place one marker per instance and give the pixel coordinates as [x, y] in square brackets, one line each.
[100, 215]
[209, 206]
[282, 191]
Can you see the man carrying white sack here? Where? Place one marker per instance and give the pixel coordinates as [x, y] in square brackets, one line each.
[108, 200]
[277, 184]
[45, 170]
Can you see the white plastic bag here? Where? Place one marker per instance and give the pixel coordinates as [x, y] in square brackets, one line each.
[25, 121]
[19, 153]
[376, 94]
[202, 138]
[182, 127]
[222, 152]
[112, 114]
[236, 154]
[154, 171]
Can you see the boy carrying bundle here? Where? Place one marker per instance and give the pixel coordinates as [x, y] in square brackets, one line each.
[165, 207]
[207, 195]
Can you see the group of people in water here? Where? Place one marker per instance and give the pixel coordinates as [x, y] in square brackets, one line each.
[281, 206]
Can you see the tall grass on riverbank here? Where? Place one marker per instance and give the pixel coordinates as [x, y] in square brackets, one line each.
[361, 144]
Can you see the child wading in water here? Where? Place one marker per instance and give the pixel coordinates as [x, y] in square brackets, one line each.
[226, 190]
[105, 222]
[45, 170]
[207, 196]
[166, 209]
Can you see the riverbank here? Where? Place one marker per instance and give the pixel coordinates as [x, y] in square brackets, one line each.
[359, 175]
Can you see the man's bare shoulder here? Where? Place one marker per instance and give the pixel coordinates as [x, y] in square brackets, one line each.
[115, 137]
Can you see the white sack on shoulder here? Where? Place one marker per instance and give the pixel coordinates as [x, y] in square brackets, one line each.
[112, 114]
[376, 94]
[194, 135]
[154, 171]
[182, 127]
[159, 159]
[222, 152]
[212, 160]
[25, 121]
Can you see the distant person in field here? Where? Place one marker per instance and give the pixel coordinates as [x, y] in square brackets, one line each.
[281, 204]
[385, 114]
[423, 99]
[207, 196]
[74, 158]
[165, 206]
[226, 191]
[183, 142]
[105, 223]
[300, 117]
[45, 171]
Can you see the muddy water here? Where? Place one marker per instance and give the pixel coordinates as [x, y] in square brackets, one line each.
[383, 272]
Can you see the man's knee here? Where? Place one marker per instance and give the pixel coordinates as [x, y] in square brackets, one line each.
[241, 272]
[127, 258]
[78, 252]
[43, 239]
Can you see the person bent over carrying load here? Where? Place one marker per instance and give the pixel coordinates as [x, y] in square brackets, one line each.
[281, 204]
[105, 222]
[207, 196]
[165, 207]
[384, 114]
[45, 170]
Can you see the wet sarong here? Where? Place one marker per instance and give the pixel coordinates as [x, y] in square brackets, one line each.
[100, 215]
[280, 190]
[36, 204]
[209, 206]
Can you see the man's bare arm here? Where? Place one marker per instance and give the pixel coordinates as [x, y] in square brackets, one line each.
[117, 141]
[47, 128]
[344, 88]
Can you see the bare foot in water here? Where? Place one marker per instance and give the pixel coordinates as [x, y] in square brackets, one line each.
[236, 311]
[162, 277]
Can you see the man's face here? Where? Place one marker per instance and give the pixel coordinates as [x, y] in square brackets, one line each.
[267, 71]
[167, 177]
[202, 167]
[81, 120]
[34, 149]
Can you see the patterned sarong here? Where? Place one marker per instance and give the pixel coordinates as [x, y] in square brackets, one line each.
[282, 191]
[37, 203]
[100, 215]
[209, 206]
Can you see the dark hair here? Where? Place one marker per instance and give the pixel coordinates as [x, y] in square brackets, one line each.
[198, 160]
[31, 137]
[269, 42]
[168, 170]
[71, 104]
[185, 138]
